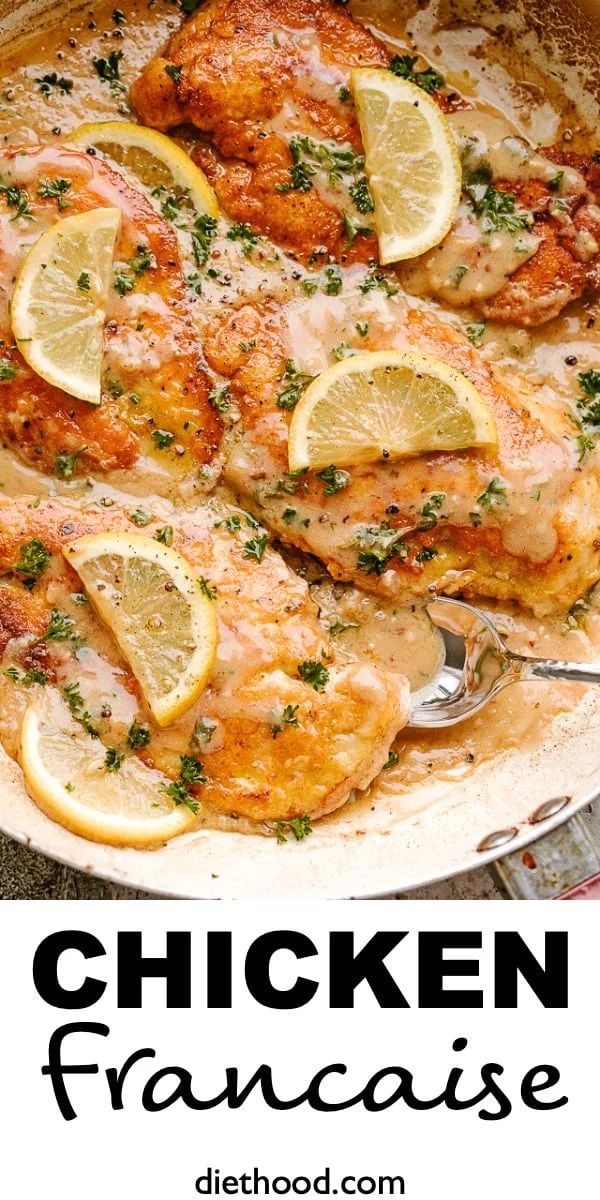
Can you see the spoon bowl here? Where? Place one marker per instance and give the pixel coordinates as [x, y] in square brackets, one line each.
[478, 665]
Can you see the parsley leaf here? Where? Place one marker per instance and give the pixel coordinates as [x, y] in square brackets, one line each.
[138, 735]
[496, 208]
[8, 370]
[256, 546]
[54, 189]
[335, 480]
[241, 232]
[173, 72]
[33, 559]
[288, 717]
[495, 493]
[113, 759]
[300, 827]
[162, 438]
[315, 674]
[48, 82]
[429, 80]
[202, 234]
[290, 396]
[107, 69]
[65, 464]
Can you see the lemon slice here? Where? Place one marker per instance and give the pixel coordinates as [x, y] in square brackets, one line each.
[59, 302]
[65, 772]
[153, 158]
[149, 598]
[412, 163]
[386, 405]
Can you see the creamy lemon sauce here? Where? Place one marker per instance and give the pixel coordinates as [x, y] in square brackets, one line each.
[35, 106]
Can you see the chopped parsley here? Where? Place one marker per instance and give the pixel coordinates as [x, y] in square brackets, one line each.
[338, 626]
[344, 93]
[475, 331]
[113, 759]
[315, 674]
[191, 773]
[376, 280]
[287, 718]
[65, 464]
[118, 17]
[430, 510]
[33, 559]
[60, 627]
[219, 398]
[362, 196]
[458, 274]
[139, 516]
[162, 438]
[392, 759]
[207, 588]
[362, 328]
[124, 280]
[429, 79]
[231, 523]
[173, 72]
[589, 403]
[47, 84]
[27, 678]
[138, 735]
[354, 229]
[495, 493]
[555, 182]
[202, 234]
[426, 554]
[241, 232]
[203, 732]
[17, 198]
[164, 535]
[54, 189]
[256, 546]
[309, 155]
[107, 69]
[333, 284]
[379, 543]
[8, 370]
[290, 396]
[300, 827]
[74, 699]
[334, 479]
[84, 283]
[497, 209]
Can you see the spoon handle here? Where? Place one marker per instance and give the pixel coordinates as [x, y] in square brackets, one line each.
[548, 668]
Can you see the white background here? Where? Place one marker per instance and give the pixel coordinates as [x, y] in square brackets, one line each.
[133, 1154]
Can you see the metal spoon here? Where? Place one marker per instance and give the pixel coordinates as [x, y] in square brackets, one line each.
[478, 665]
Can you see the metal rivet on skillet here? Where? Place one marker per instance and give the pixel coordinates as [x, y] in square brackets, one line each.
[549, 809]
[493, 840]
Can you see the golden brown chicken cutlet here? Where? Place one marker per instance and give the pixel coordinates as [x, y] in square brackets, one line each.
[267, 84]
[286, 727]
[518, 523]
[155, 386]
[265, 80]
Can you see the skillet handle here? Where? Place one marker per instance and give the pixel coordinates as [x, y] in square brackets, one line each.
[564, 863]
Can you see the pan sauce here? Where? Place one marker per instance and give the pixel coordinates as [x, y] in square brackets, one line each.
[522, 714]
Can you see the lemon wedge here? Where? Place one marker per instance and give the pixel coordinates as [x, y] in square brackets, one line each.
[164, 624]
[66, 774]
[156, 160]
[412, 163]
[59, 302]
[386, 405]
